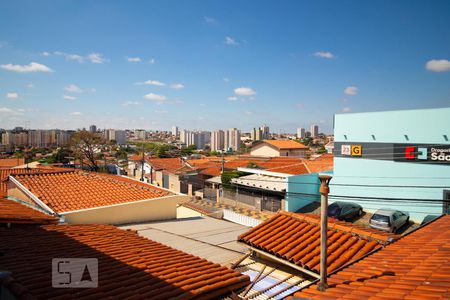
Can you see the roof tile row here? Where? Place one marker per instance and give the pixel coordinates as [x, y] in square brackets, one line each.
[69, 191]
[130, 266]
[296, 238]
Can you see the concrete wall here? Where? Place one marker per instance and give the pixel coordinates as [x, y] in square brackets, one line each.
[264, 150]
[407, 180]
[148, 210]
[301, 191]
[174, 183]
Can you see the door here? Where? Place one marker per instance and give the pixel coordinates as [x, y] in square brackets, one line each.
[446, 202]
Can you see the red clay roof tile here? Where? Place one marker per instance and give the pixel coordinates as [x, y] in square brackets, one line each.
[130, 266]
[296, 238]
[14, 212]
[417, 266]
[69, 191]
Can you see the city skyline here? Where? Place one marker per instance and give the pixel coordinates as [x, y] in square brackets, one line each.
[217, 67]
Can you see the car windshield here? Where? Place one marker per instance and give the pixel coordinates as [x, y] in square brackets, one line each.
[334, 210]
[380, 218]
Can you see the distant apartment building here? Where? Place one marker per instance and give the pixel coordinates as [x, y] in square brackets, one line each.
[256, 134]
[314, 131]
[115, 135]
[140, 134]
[301, 133]
[175, 131]
[217, 140]
[35, 138]
[93, 128]
[233, 139]
[265, 132]
[197, 138]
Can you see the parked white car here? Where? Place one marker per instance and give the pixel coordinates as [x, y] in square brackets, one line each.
[389, 220]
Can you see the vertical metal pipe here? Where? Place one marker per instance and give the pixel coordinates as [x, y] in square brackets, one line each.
[324, 191]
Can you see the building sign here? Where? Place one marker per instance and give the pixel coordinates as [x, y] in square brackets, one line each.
[436, 154]
[345, 150]
[351, 150]
[356, 150]
[412, 153]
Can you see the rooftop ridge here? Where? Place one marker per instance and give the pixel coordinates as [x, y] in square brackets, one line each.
[346, 227]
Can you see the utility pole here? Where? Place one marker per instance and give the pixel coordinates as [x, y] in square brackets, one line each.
[223, 163]
[324, 191]
[142, 161]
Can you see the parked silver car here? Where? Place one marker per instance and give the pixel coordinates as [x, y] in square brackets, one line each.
[389, 220]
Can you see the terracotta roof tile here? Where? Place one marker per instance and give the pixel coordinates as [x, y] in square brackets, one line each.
[285, 144]
[417, 266]
[69, 191]
[130, 266]
[171, 165]
[5, 172]
[14, 212]
[296, 238]
[11, 162]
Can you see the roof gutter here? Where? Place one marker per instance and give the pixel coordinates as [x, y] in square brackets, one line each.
[31, 195]
[282, 261]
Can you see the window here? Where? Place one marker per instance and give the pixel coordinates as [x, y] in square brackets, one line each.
[446, 202]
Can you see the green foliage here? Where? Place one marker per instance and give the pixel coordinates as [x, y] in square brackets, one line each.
[227, 176]
[321, 149]
[188, 150]
[253, 165]
[61, 155]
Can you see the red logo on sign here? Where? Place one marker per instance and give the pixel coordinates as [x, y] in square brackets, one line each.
[409, 152]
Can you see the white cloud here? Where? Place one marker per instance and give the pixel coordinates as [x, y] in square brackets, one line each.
[152, 61]
[438, 65]
[76, 113]
[72, 88]
[45, 53]
[209, 20]
[154, 82]
[346, 109]
[67, 97]
[75, 57]
[226, 79]
[134, 59]
[6, 110]
[177, 86]
[96, 58]
[248, 113]
[244, 91]
[230, 41]
[351, 90]
[156, 98]
[130, 103]
[12, 96]
[324, 54]
[30, 85]
[233, 98]
[31, 68]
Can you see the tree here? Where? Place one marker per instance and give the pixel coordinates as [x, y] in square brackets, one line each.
[62, 155]
[85, 146]
[321, 150]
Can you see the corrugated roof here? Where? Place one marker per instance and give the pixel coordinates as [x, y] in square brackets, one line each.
[265, 182]
[69, 191]
[16, 213]
[296, 238]
[130, 266]
[415, 267]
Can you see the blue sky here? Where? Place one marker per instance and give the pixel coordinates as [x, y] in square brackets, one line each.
[218, 64]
